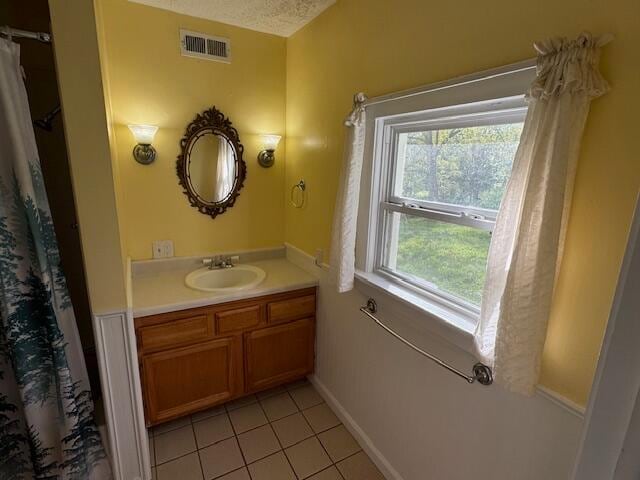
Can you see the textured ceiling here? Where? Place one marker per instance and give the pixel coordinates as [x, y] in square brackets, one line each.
[280, 17]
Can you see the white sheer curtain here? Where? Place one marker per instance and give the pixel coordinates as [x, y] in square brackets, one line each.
[526, 246]
[345, 216]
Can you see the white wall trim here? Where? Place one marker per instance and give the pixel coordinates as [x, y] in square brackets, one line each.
[358, 433]
[120, 380]
[307, 262]
[613, 402]
[563, 402]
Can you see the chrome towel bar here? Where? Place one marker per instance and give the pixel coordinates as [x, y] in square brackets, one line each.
[481, 373]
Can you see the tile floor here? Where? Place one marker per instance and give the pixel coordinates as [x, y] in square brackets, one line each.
[287, 433]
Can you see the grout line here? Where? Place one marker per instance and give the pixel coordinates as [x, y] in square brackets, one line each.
[177, 458]
[200, 462]
[270, 423]
[224, 411]
[232, 471]
[195, 439]
[325, 450]
[295, 474]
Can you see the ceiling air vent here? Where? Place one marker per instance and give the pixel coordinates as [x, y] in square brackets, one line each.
[199, 45]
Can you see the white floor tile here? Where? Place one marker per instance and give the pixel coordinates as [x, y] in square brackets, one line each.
[278, 406]
[330, 473]
[174, 444]
[308, 457]
[212, 430]
[306, 396]
[246, 418]
[271, 392]
[184, 468]
[258, 443]
[152, 452]
[321, 418]
[338, 443]
[212, 412]
[292, 429]
[172, 425]
[297, 384]
[275, 467]
[221, 458]
[241, 402]
[242, 474]
[359, 467]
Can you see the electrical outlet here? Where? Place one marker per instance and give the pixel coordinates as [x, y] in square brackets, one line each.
[319, 256]
[162, 248]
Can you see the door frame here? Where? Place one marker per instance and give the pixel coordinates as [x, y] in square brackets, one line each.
[614, 396]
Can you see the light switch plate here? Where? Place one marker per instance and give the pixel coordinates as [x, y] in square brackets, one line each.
[168, 249]
[162, 248]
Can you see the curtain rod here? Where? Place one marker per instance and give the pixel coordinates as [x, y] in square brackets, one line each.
[455, 82]
[43, 37]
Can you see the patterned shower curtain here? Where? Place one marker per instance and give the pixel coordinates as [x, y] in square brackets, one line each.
[47, 429]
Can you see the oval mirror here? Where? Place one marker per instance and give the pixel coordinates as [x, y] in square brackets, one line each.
[210, 166]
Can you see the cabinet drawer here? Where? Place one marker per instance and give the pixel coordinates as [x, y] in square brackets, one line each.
[175, 333]
[237, 319]
[291, 309]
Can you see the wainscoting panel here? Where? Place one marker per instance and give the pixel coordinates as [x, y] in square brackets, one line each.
[418, 421]
[117, 359]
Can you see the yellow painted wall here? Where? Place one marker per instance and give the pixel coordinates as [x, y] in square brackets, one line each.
[85, 117]
[150, 82]
[379, 46]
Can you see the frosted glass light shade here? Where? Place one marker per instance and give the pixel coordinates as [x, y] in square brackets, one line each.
[270, 142]
[143, 133]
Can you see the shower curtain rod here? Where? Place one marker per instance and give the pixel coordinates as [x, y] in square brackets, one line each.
[43, 37]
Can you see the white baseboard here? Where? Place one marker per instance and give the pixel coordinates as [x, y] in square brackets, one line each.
[358, 433]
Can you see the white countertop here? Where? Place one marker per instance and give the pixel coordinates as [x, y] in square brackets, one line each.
[164, 291]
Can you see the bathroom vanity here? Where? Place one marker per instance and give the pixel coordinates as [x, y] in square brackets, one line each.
[195, 358]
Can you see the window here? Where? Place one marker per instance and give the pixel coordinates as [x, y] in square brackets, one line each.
[442, 175]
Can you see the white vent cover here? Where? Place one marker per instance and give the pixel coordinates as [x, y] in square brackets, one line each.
[199, 45]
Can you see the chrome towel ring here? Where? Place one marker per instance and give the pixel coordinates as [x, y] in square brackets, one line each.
[302, 196]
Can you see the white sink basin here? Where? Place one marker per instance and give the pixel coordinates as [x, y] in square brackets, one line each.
[238, 277]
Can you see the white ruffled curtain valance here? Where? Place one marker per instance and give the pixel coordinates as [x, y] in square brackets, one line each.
[345, 216]
[527, 241]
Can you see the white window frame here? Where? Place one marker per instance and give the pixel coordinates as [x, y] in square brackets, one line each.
[456, 102]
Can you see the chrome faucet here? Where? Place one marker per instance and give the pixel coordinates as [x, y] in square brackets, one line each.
[219, 262]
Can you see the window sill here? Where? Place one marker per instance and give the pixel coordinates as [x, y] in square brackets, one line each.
[426, 314]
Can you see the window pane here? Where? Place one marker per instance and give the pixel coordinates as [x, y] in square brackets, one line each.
[450, 257]
[466, 166]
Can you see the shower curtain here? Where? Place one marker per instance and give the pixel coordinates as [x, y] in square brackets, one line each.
[47, 428]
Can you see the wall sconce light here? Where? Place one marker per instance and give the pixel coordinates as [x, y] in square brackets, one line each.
[144, 152]
[269, 144]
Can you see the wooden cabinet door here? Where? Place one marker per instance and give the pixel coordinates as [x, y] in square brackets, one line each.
[182, 380]
[278, 354]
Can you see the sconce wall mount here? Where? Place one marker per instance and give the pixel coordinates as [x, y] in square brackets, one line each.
[143, 152]
[267, 157]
